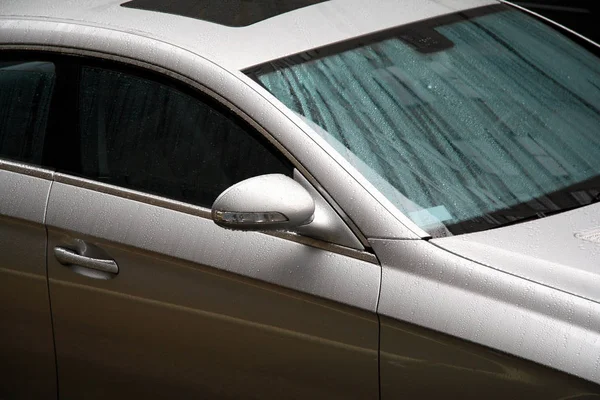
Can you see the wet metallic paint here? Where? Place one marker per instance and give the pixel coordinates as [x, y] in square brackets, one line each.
[27, 366]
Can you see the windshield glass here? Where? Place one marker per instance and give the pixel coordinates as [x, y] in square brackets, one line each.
[466, 122]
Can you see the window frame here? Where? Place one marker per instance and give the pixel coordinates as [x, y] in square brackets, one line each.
[64, 105]
[63, 136]
[68, 66]
[59, 115]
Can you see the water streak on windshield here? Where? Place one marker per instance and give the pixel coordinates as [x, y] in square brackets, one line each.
[465, 125]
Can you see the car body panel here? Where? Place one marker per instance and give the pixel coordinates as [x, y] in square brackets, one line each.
[431, 287]
[421, 363]
[26, 343]
[561, 251]
[150, 228]
[299, 319]
[239, 48]
[191, 311]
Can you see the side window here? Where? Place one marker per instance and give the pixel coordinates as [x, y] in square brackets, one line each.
[25, 94]
[145, 135]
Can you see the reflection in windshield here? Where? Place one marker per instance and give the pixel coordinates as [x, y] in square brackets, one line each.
[479, 122]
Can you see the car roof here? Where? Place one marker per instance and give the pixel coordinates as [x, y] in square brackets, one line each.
[269, 36]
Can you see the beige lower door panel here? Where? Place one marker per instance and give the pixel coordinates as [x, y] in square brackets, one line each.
[197, 311]
[27, 365]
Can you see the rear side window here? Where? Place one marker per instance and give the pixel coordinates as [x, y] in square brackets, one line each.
[25, 94]
[149, 136]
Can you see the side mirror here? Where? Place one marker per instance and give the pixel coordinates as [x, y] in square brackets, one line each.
[266, 202]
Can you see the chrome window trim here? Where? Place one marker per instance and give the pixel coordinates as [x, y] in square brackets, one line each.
[26, 169]
[131, 194]
[202, 212]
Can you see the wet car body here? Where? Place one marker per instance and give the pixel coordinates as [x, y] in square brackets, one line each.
[359, 302]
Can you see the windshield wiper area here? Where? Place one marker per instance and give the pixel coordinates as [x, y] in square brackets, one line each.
[543, 214]
[569, 198]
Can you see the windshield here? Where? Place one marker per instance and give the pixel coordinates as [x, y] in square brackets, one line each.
[465, 123]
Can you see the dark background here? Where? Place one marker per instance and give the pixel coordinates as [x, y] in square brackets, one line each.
[582, 16]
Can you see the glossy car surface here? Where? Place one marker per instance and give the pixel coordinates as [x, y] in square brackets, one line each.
[175, 224]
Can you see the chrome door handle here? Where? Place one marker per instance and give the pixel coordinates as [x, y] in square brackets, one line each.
[70, 257]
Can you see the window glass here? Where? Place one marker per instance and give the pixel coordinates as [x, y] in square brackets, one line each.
[465, 123]
[148, 136]
[25, 94]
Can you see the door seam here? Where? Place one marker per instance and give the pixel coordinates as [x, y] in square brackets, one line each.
[379, 356]
[48, 288]
[379, 330]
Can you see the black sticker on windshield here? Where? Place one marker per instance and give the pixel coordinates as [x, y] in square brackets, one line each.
[236, 13]
[426, 40]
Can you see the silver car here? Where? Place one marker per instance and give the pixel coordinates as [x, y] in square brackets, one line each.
[322, 199]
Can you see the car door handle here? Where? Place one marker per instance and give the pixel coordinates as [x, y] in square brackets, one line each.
[70, 257]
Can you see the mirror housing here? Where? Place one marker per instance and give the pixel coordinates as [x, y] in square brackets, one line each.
[262, 203]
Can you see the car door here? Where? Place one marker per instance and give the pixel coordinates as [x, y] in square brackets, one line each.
[27, 367]
[150, 297]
